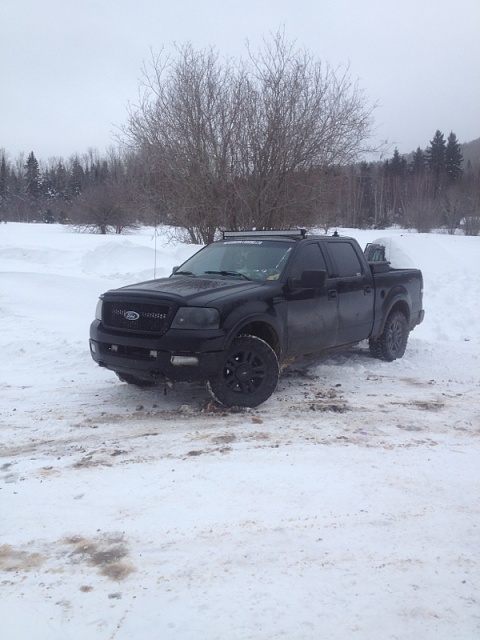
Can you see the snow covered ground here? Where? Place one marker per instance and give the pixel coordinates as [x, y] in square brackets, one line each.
[347, 506]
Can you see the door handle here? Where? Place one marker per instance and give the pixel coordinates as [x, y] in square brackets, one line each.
[332, 294]
[367, 289]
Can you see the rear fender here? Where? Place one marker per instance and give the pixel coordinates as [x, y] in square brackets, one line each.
[397, 299]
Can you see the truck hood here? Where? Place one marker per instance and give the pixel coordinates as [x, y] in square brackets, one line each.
[187, 289]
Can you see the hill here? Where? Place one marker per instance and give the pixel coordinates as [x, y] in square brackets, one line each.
[471, 152]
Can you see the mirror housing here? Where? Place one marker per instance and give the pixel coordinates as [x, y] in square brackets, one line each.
[313, 278]
[310, 279]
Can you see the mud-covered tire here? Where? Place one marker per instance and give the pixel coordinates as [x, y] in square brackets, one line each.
[393, 341]
[137, 382]
[249, 374]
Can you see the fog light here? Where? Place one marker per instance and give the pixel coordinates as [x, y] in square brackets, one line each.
[179, 361]
[93, 348]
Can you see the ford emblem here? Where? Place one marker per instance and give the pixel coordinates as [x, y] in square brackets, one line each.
[131, 315]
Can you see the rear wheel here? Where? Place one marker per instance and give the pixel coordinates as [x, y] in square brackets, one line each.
[393, 341]
[249, 374]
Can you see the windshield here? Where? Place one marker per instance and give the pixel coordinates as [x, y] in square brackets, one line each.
[246, 259]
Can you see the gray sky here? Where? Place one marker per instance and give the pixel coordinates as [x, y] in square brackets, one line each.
[68, 68]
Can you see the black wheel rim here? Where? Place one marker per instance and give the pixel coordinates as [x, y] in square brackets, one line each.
[244, 372]
[395, 336]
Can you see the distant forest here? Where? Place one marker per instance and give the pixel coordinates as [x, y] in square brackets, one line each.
[437, 187]
[273, 141]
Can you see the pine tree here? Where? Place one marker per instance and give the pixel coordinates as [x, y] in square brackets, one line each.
[76, 178]
[3, 180]
[417, 165]
[395, 173]
[397, 166]
[32, 178]
[436, 154]
[453, 158]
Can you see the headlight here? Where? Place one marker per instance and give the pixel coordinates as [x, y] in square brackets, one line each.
[196, 318]
[98, 310]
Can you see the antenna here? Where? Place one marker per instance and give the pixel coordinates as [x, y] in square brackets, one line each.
[155, 251]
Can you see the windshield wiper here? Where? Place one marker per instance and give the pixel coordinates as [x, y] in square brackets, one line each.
[235, 274]
[183, 273]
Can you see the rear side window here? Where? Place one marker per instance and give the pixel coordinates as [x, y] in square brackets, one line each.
[347, 263]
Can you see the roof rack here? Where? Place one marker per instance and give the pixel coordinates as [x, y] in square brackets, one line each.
[288, 233]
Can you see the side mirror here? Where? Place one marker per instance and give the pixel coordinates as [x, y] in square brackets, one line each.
[309, 279]
[313, 279]
[174, 270]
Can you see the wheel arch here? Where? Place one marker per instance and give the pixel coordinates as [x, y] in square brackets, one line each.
[397, 304]
[261, 329]
[402, 306]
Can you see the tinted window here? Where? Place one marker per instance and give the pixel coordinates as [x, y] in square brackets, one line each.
[310, 257]
[346, 260]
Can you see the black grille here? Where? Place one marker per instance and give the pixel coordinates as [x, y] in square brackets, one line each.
[136, 316]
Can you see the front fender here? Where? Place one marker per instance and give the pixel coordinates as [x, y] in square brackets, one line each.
[262, 319]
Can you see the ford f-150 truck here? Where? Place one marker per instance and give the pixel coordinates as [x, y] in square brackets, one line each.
[241, 306]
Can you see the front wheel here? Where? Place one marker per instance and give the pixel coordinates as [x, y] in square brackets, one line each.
[249, 374]
[393, 341]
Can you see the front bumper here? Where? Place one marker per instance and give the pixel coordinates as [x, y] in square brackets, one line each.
[177, 355]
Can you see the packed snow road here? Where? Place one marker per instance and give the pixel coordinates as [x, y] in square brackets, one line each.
[345, 397]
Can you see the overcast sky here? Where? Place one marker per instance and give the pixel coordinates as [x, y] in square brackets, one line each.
[68, 68]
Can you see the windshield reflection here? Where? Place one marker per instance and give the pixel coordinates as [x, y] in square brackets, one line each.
[241, 259]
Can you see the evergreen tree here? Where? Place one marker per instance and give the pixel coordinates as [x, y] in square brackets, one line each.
[54, 183]
[365, 198]
[76, 178]
[395, 174]
[436, 154]
[3, 182]
[397, 166]
[453, 158]
[417, 165]
[32, 178]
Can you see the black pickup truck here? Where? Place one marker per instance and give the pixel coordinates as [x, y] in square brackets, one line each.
[241, 306]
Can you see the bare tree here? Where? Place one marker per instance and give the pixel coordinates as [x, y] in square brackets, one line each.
[455, 207]
[300, 115]
[235, 144]
[471, 220]
[103, 208]
[421, 211]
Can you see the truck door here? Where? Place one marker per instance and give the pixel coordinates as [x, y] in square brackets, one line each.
[311, 313]
[355, 289]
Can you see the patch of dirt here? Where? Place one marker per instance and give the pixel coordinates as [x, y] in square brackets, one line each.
[428, 406]
[12, 559]
[423, 405]
[107, 553]
[225, 439]
[89, 461]
[323, 406]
